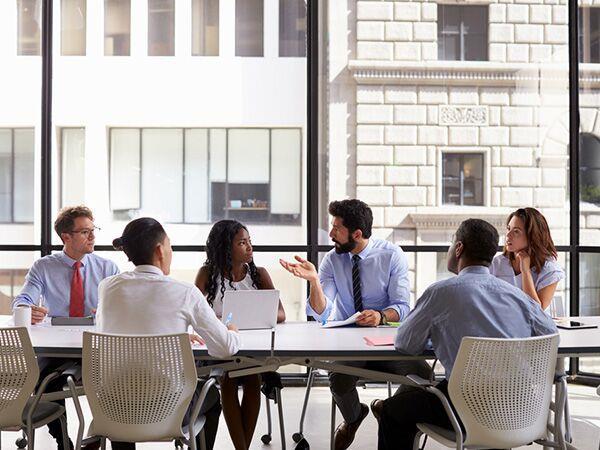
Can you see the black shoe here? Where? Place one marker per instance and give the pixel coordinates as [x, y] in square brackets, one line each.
[345, 432]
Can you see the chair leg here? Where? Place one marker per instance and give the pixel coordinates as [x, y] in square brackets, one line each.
[103, 443]
[332, 431]
[202, 439]
[417, 441]
[281, 420]
[389, 386]
[269, 423]
[63, 429]
[311, 375]
[30, 438]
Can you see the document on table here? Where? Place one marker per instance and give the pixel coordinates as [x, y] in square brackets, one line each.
[379, 341]
[340, 323]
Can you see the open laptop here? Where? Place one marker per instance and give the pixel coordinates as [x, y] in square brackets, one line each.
[251, 310]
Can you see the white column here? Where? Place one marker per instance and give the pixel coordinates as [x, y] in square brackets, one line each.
[227, 28]
[183, 28]
[271, 28]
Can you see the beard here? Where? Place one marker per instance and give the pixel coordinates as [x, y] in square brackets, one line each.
[345, 248]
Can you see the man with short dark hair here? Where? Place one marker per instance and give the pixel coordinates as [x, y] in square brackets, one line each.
[361, 274]
[65, 284]
[475, 303]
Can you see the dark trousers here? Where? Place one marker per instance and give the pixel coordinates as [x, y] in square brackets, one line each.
[343, 387]
[211, 409]
[47, 366]
[402, 412]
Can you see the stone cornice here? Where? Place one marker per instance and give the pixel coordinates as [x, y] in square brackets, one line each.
[442, 220]
[466, 73]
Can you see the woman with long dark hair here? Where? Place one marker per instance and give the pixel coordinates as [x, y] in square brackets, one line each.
[230, 266]
[529, 257]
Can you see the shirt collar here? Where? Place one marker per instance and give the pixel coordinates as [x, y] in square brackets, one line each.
[148, 268]
[482, 270]
[365, 251]
[70, 261]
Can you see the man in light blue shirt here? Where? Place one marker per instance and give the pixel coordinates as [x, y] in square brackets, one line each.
[361, 274]
[67, 284]
[475, 303]
[48, 283]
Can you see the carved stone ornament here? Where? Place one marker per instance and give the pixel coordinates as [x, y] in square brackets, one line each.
[463, 115]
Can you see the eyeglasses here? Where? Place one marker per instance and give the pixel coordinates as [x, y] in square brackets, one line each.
[86, 232]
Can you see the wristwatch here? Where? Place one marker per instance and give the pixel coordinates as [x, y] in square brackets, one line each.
[383, 320]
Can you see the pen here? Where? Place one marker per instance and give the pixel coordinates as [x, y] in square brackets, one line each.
[228, 320]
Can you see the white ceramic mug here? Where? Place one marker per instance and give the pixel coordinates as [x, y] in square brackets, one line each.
[22, 316]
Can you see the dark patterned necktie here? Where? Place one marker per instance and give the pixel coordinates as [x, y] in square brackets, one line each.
[358, 306]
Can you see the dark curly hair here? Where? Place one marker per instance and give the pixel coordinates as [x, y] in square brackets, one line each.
[218, 258]
[355, 214]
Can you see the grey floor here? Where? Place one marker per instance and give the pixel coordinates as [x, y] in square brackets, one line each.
[585, 410]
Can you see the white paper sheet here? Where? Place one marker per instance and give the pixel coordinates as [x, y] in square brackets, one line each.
[340, 323]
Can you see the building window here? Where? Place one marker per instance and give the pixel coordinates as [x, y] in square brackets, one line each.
[205, 28]
[73, 18]
[249, 28]
[29, 14]
[72, 144]
[292, 28]
[462, 179]
[589, 35]
[117, 27]
[200, 175]
[16, 175]
[161, 27]
[462, 33]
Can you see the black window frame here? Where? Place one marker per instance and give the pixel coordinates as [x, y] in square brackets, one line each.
[314, 161]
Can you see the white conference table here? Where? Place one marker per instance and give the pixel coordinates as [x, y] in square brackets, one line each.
[302, 343]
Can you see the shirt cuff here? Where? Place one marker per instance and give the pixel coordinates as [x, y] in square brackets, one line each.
[400, 309]
[21, 302]
[318, 317]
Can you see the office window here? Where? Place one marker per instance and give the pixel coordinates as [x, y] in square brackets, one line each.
[201, 175]
[205, 28]
[161, 27]
[117, 27]
[249, 28]
[589, 35]
[462, 33]
[29, 14]
[292, 28]
[16, 175]
[73, 27]
[73, 166]
[462, 179]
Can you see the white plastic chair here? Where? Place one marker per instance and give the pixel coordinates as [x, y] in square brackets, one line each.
[502, 391]
[19, 374]
[139, 388]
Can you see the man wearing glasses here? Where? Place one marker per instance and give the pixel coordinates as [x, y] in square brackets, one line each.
[65, 284]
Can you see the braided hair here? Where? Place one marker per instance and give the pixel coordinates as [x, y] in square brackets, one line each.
[219, 261]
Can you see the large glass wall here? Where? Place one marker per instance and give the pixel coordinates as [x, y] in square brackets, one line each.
[431, 113]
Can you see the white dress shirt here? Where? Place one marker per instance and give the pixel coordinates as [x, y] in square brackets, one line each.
[146, 301]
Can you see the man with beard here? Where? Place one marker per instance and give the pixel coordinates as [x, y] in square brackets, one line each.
[361, 274]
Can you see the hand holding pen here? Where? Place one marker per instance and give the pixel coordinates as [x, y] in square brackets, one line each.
[228, 323]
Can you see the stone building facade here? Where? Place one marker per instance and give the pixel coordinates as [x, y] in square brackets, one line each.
[427, 92]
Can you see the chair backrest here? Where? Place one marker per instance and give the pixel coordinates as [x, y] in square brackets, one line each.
[138, 387]
[19, 374]
[502, 388]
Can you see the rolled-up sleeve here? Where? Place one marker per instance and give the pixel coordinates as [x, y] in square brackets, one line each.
[329, 288]
[551, 273]
[399, 287]
[220, 342]
[32, 289]
[413, 334]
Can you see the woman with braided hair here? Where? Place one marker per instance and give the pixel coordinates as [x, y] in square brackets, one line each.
[230, 266]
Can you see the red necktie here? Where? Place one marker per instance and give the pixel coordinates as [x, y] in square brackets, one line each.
[76, 305]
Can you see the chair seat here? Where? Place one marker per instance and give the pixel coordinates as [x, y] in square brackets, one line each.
[440, 434]
[44, 413]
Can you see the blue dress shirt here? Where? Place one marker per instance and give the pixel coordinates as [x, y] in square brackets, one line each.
[384, 281]
[50, 278]
[474, 303]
